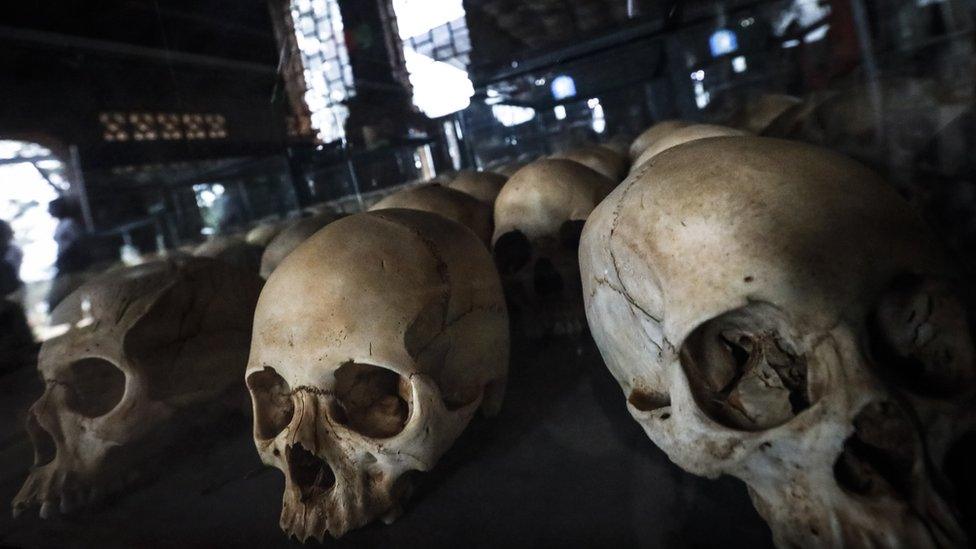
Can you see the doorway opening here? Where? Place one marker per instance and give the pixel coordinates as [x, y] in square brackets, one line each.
[31, 177]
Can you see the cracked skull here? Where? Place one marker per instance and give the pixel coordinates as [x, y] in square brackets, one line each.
[375, 342]
[150, 353]
[538, 218]
[780, 315]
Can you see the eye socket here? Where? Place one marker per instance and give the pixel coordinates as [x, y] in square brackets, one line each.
[512, 251]
[273, 407]
[372, 401]
[94, 387]
[742, 371]
[570, 233]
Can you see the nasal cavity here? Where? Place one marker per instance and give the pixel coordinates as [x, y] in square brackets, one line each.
[311, 474]
[879, 457]
[45, 449]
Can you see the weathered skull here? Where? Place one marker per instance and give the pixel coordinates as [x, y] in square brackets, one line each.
[263, 233]
[454, 205]
[598, 158]
[375, 342]
[757, 113]
[289, 239]
[778, 314]
[150, 353]
[680, 136]
[538, 218]
[233, 251]
[653, 134]
[484, 186]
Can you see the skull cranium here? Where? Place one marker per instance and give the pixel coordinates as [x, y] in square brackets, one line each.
[375, 342]
[538, 217]
[150, 352]
[780, 315]
[449, 203]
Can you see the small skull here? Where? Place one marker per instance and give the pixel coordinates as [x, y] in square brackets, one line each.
[652, 135]
[538, 218]
[289, 239]
[779, 314]
[449, 203]
[757, 113]
[263, 233]
[233, 251]
[598, 158]
[680, 136]
[375, 342]
[150, 352]
[484, 186]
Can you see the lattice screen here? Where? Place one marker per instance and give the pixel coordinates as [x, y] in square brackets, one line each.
[328, 75]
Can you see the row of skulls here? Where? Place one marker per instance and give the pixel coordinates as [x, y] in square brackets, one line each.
[770, 310]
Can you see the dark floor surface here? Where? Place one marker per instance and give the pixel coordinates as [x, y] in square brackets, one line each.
[564, 464]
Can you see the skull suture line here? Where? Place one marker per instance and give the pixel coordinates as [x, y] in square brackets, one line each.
[152, 351]
[773, 311]
[538, 217]
[375, 342]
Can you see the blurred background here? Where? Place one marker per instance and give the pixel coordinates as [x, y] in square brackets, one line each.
[133, 127]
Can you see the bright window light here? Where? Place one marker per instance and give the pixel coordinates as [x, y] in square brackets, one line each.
[739, 64]
[438, 88]
[510, 115]
[436, 45]
[723, 41]
[563, 87]
[24, 196]
[599, 123]
[328, 75]
[559, 111]
[415, 17]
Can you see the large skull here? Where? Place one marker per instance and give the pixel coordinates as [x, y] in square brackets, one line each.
[538, 218]
[778, 314]
[289, 239]
[375, 342]
[150, 352]
[449, 203]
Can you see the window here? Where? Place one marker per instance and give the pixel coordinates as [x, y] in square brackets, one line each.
[328, 75]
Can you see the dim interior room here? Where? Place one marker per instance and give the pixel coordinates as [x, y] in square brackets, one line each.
[488, 273]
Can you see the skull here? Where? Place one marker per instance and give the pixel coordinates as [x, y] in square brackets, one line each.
[683, 135]
[452, 204]
[757, 113]
[150, 352]
[263, 233]
[598, 158]
[289, 239]
[233, 251]
[484, 186]
[778, 314]
[652, 135]
[538, 217]
[375, 342]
